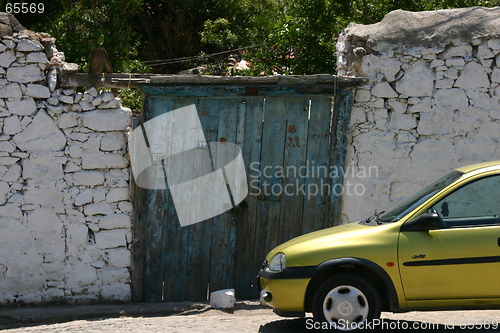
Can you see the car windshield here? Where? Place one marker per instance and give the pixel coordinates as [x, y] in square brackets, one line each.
[396, 213]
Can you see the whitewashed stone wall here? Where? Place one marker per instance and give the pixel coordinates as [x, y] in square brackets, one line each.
[428, 106]
[65, 211]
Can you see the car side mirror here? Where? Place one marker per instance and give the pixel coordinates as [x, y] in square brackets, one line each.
[425, 222]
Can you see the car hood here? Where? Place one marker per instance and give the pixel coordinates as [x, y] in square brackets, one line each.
[344, 240]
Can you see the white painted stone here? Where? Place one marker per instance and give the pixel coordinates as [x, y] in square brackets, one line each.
[103, 161]
[4, 190]
[436, 63]
[383, 89]
[118, 258]
[6, 146]
[27, 45]
[34, 170]
[222, 299]
[66, 99]
[10, 211]
[8, 160]
[92, 91]
[450, 99]
[112, 104]
[484, 101]
[11, 91]
[11, 125]
[7, 58]
[126, 207]
[113, 141]
[52, 79]
[41, 134]
[362, 95]
[116, 292]
[372, 65]
[432, 123]
[417, 81]
[25, 74]
[117, 194]
[78, 233]
[78, 97]
[107, 96]
[84, 197]
[451, 73]
[36, 57]
[86, 106]
[400, 121]
[13, 174]
[37, 91]
[67, 120]
[108, 239]
[444, 84]
[494, 43]
[483, 52]
[98, 209]
[495, 75]
[108, 120]
[115, 221]
[80, 275]
[88, 178]
[397, 106]
[96, 101]
[464, 50]
[52, 101]
[473, 76]
[22, 107]
[9, 43]
[43, 220]
[455, 62]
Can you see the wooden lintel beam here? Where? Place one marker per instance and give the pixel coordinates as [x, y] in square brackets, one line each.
[120, 80]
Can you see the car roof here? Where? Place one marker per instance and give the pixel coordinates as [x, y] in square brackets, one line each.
[477, 166]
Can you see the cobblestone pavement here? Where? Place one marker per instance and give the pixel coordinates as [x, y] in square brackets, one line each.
[250, 317]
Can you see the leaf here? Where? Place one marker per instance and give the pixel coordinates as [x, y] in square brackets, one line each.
[100, 41]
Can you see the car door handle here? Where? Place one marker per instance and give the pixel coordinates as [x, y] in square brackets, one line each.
[499, 242]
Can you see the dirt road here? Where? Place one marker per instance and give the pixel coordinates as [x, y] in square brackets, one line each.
[249, 317]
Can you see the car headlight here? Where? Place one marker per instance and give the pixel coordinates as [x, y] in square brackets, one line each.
[277, 263]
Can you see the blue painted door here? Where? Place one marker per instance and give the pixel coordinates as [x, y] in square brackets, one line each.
[289, 142]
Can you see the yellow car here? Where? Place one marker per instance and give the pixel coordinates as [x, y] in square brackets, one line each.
[437, 250]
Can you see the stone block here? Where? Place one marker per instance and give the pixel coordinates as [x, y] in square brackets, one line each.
[13, 174]
[417, 81]
[7, 58]
[36, 57]
[4, 190]
[108, 239]
[103, 161]
[43, 220]
[88, 178]
[453, 98]
[473, 76]
[115, 221]
[11, 125]
[28, 45]
[383, 89]
[222, 299]
[41, 134]
[119, 258]
[78, 233]
[117, 194]
[22, 107]
[113, 141]
[11, 91]
[116, 292]
[37, 91]
[25, 74]
[67, 120]
[108, 120]
[98, 209]
[84, 197]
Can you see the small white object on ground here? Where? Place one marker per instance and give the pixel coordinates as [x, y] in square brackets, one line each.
[222, 299]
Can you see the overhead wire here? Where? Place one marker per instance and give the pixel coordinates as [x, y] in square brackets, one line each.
[177, 60]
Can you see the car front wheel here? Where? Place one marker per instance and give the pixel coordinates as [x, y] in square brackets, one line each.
[346, 302]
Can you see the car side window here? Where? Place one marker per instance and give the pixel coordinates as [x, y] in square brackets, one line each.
[474, 204]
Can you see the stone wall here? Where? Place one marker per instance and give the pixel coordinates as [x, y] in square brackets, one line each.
[430, 102]
[65, 211]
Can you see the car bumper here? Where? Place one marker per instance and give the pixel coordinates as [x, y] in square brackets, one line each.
[285, 293]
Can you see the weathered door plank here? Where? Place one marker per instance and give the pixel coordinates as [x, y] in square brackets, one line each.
[317, 148]
[294, 162]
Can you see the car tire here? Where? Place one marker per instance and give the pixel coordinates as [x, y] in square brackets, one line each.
[344, 301]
